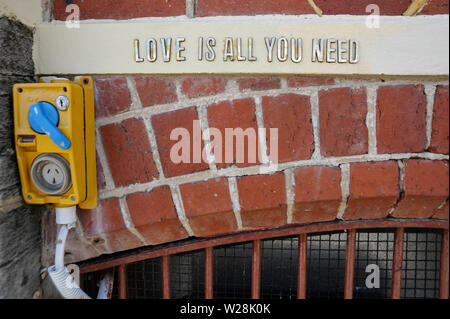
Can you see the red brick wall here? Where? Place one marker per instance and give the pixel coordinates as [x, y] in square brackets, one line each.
[119, 9]
[128, 9]
[348, 149]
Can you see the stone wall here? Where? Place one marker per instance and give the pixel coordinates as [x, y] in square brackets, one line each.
[20, 237]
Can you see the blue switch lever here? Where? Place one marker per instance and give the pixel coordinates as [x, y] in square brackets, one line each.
[43, 118]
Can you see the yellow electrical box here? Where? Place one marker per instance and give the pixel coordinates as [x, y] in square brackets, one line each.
[54, 130]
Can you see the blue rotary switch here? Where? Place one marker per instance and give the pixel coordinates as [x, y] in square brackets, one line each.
[43, 119]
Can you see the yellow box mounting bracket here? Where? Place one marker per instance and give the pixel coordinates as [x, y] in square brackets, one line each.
[54, 130]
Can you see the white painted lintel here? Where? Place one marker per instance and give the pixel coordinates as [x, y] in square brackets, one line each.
[411, 46]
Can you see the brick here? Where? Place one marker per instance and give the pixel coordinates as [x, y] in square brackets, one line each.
[154, 216]
[106, 218]
[163, 125]
[439, 135]
[111, 96]
[233, 115]
[252, 7]
[435, 7]
[401, 119]
[202, 86]
[155, 90]
[442, 212]
[211, 213]
[49, 236]
[343, 130]
[304, 81]
[374, 189]
[77, 248]
[129, 152]
[358, 7]
[263, 200]
[120, 10]
[105, 228]
[291, 115]
[259, 83]
[317, 194]
[426, 188]
[101, 181]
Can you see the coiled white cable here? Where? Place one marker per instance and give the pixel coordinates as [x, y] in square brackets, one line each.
[62, 279]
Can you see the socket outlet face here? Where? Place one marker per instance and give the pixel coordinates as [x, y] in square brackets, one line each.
[50, 173]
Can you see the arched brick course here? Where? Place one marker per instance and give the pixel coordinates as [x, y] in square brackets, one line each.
[145, 199]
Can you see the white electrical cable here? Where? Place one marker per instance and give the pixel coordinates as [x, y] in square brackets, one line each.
[62, 279]
[60, 244]
[65, 284]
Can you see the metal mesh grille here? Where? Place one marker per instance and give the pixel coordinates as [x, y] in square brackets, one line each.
[421, 263]
[144, 279]
[90, 283]
[115, 292]
[325, 268]
[326, 265]
[233, 271]
[374, 247]
[279, 268]
[187, 275]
